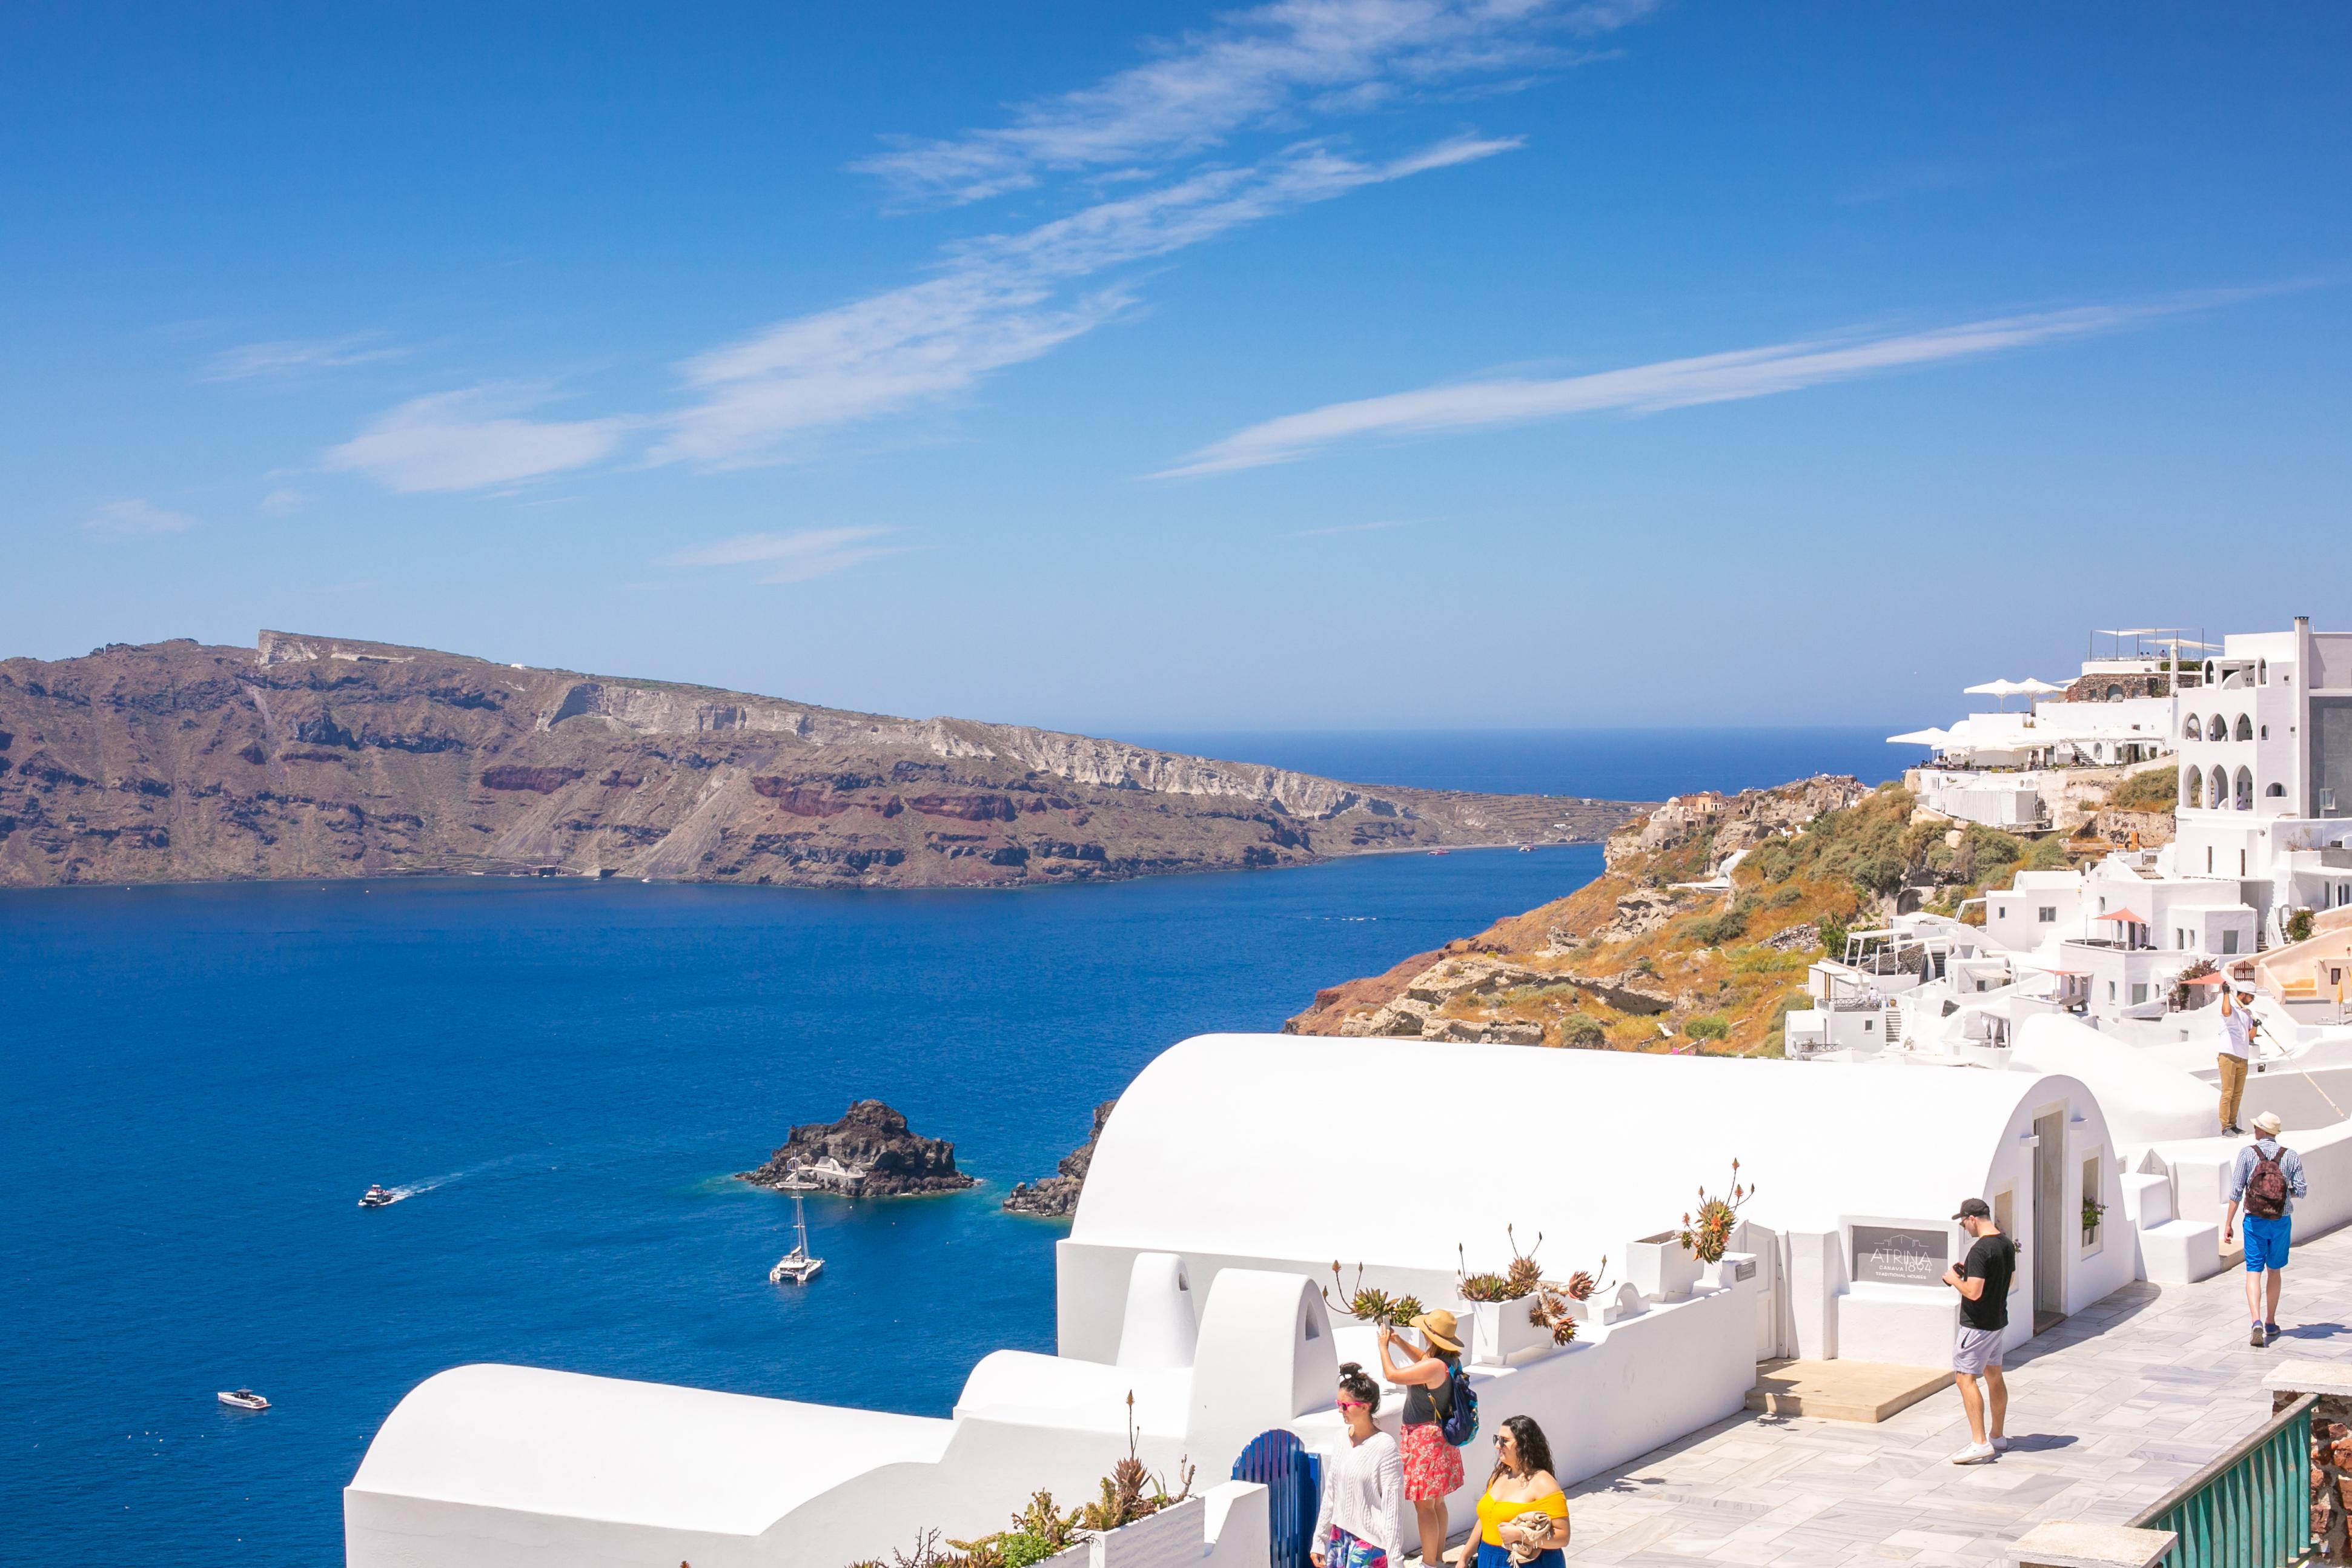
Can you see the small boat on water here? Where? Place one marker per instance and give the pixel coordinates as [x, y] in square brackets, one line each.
[377, 1197]
[243, 1399]
[1527, 849]
[1441, 851]
[796, 1266]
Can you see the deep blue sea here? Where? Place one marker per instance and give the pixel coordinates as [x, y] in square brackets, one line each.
[197, 1082]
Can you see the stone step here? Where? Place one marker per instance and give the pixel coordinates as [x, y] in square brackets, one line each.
[1866, 1391]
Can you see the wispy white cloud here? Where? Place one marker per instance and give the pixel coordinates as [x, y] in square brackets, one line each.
[999, 301]
[132, 517]
[794, 557]
[465, 440]
[1646, 389]
[288, 357]
[1271, 66]
[1345, 528]
[282, 502]
[1006, 300]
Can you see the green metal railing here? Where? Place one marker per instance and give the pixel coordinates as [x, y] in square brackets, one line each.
[2249, 1509]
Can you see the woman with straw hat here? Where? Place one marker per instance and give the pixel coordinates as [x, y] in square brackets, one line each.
[1432, 1467]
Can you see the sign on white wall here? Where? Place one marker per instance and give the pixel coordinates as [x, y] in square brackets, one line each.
[1901, 1255]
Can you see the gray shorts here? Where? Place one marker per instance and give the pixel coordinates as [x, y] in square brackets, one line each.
[1976, 1349]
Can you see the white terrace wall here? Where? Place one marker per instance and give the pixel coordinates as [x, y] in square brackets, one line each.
[504, 1467]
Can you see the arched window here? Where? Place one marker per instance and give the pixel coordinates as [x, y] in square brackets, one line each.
[2219, 795]
[2245, 800]
[2275, 791]
[2114, 693]
[2216, 728]
[2192, 730]
[2245, 727]
[2192, 784]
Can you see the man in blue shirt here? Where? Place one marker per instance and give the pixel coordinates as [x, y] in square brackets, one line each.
[2268, 1179]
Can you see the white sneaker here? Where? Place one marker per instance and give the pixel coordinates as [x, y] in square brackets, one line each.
[2001, 1444]
[1974, 1453]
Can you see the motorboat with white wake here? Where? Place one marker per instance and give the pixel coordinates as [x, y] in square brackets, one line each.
[796, 1267]
[243, 1399]
[379, 1197]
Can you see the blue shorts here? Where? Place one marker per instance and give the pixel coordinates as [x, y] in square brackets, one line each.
[2266, 1242]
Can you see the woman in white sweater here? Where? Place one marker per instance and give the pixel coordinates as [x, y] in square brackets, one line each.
[1363, 1488]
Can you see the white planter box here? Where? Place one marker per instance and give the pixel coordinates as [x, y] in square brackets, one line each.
[1659, 1268]
[1501, 1334]
[1173, 1536]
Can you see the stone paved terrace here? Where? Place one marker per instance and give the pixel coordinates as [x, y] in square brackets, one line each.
[2108, 1411]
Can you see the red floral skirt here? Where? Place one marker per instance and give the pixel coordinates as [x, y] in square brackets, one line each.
[1432, 1467]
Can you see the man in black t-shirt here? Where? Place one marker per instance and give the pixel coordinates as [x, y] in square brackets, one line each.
[1982, 1280]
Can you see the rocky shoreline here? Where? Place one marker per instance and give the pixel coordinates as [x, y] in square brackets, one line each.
[869, 1152]
[1057, 1196]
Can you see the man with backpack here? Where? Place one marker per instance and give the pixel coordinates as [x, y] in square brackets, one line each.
[2268, 1178]
[1982, 1280]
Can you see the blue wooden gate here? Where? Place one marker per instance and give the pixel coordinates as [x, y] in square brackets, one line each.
[1293, 1482]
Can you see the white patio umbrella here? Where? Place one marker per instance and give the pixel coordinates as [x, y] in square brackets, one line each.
[1939, 738]
[2006, 689]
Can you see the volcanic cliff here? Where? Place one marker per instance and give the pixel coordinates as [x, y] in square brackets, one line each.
[312, 756]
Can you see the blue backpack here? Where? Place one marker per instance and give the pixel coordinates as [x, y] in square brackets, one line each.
[1461, 1424]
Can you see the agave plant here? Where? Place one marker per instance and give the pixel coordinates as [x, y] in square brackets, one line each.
[1708, 1235]
[1486, 1288]
[1124, 1498]
[1552, 1307]
[1370, 1305]
[1525, 1273]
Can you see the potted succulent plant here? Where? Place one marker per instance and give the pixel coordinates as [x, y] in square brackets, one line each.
[1498, 1331]
[1370, 1305]
[1707, 1232]
[2092, 1209]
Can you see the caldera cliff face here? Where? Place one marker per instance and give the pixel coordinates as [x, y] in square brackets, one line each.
[317, 757]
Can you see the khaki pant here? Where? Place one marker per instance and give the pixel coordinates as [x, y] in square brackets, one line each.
[2233, 1087]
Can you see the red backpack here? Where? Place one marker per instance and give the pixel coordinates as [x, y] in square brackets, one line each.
[2266, 1186]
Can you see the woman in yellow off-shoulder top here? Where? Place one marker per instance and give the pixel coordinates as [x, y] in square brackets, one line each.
[1523, 1514]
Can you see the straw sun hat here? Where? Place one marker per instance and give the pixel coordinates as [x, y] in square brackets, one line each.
[1440, 1329]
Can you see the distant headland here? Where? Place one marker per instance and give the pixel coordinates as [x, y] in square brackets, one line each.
[312, 756]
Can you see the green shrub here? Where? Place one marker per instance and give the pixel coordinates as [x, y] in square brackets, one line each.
[1707, 1025]
[1785, 897]
[1582, 1031]
[1833, 929]
[2298, 925]
[2156, 790]
[1715, 930]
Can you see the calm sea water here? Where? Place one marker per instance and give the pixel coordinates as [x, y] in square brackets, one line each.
[197, 1084]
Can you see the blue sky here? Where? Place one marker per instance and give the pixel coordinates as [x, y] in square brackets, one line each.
[1349, 363]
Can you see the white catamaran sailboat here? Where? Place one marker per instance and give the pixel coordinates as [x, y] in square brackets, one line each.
[796, 1265]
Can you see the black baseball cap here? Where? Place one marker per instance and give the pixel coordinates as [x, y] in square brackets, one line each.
[1974, 1208]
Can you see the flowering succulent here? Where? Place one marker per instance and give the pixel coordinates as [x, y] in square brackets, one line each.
[1709, 1235]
